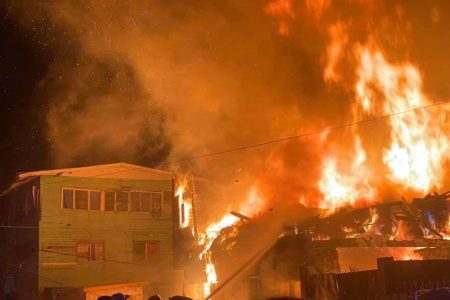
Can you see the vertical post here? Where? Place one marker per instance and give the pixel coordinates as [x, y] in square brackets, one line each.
[382, 262]
[194, 210]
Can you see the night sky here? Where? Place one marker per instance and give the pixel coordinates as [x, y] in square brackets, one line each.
[22, 65]
[32, 64]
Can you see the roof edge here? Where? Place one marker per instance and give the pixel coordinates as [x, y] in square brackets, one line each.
[59, 172]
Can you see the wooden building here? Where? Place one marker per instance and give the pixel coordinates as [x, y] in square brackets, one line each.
[85, 227]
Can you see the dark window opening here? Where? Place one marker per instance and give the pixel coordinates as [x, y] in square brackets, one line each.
[83, 251]
[81, 199]
[156, 204]
[122, 201]
[146, 250]
[90, 251]
[67, 198]
[145, 202]
[94, 200]
[110, 201]
[135, 201]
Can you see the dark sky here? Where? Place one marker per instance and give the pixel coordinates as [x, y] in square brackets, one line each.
[23, 141]
[34, 86]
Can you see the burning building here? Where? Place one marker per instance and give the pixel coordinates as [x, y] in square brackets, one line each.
[329, 116]
[106, 228]
[314, 257]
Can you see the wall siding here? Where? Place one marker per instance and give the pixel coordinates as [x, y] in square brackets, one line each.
[63, 227]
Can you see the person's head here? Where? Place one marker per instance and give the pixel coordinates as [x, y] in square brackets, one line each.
[119, 296]
[180, 298]
[104, 298]
[155, 297]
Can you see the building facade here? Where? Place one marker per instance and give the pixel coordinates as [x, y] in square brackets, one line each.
[86, 227]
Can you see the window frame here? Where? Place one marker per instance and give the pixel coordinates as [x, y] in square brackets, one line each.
[100, 200]
[151, 202]
[91, 257]
[75, 199]
[88, 199]
[103, 200]
[146, 257]
[127, 192]
[62, 198]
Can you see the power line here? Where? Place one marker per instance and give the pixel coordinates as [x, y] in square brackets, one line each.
[270, 142]
[320, 131]
[74, 255]
[84, 257]
[63, 284]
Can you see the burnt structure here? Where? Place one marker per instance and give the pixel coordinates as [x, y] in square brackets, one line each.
[335, 257]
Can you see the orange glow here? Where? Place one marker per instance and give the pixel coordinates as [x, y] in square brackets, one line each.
[345, 189]
[316, 8]
[211, 276]
[184, 206]
[283, 11]
[338, 39]
[406, 253]
[400, 232]
[419, 142]
[250, 207]
[446, 233]
[372, 225]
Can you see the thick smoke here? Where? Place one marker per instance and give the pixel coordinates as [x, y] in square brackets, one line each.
[155, 81]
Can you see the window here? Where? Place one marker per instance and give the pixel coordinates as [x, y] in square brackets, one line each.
[94, 200]
[135, 201]
[122, 201]
[145, 201]
[81, 199]
[97, 251]
[152, 250]
[146, 250]
[156, 202]
[90, 250]
[110, 201]
[83, 251]
[67, 198]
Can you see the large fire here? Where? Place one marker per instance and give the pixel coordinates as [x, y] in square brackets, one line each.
[414, 154]
[339, 190]
[250, 207]
[419, 139]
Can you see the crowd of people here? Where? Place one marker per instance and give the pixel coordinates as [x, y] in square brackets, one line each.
[120, 296]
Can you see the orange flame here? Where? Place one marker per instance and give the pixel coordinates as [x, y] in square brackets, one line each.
[419, 140]
[316, 8]
[283, 11]
[400, 231]
[334, 51]
[185, 208]
[250, 207]
[372, 223]
[340, 190]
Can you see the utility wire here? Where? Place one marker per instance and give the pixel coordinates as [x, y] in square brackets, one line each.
[320, 131]
[270, 142]
[63, 284]
[246, 147]
[106, 260]
[75, 255]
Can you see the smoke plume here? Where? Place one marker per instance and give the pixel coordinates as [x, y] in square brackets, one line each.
[155, 81]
